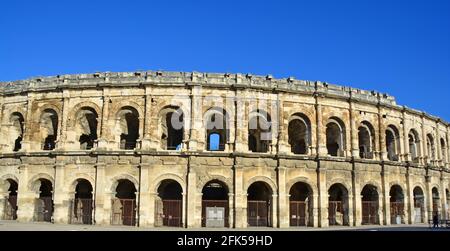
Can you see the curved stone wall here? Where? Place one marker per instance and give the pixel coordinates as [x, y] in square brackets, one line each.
[280, 152]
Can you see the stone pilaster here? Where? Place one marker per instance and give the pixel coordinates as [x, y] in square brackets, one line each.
[283, 198]
[103, 197]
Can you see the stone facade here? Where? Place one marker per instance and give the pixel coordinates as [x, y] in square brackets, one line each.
[103, 149]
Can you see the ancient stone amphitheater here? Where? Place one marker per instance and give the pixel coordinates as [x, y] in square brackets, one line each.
[184, 149]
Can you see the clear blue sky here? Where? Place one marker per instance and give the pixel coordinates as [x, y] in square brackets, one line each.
[398, 47]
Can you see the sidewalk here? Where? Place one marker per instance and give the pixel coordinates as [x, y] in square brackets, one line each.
[40, 226]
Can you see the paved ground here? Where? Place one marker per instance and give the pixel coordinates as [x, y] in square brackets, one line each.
[17, 226]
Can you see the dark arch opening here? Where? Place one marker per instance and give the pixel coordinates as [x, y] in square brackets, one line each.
[129, 126]
[17, 121]
[338, 206]
[259, 132]
[299, 134]
[124, 204]
[49, 124]
[87, 121]
[300, 205]
[436, 201]
[83, 203]
[397, 205]
[370, 205]
[215, 205]
[10, 212]
[419, 205]
[169, 204]
[259, 205]
[366, 140]
[44, 207]
[335, 136]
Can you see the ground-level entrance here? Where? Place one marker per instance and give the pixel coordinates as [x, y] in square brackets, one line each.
[259, 205]
[370, 205]
[169, 204]
[215, 205]
[124, 204]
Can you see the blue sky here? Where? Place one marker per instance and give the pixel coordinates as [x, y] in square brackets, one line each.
[397, 47]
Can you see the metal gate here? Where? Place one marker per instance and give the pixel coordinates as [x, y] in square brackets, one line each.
[258, 213]
[370, 212]
[44, 209]
[397, 212]
[123, 212]
[419, 210]
[298, 216]
[208, 220]
[171, 213]
[336, 213]
[81, 211]
[10, 211]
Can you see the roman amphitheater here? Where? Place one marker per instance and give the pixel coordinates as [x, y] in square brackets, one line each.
[153, 149]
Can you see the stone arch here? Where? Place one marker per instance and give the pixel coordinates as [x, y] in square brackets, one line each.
[76, 109]
[338, 195]
[221, 178]
[259, 131]
[172, 135]
[33, 182]
[372, 183]
[431, 146]
[392, 140]
[396, 183]
[265, 179]
[47, 106]
[72, 185]
[303, 179]
[10, 176]
[115, 181]
[220, 127]
[366, 140]
[128, 103]
[168, 176]
[336, 137]
[299, 133]
[341, 182]
[414, 144]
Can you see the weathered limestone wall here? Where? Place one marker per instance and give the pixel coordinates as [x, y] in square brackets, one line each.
[151, 94]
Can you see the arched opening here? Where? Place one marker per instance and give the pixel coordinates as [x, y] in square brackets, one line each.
[397, 205]
[172, 127]
[215, 211]
[86, 127]
[414, 143]
[419, 205]
[430, 148]
[124, 204]
[259, 205]
[82, 205]
[447, 195]
[300, 205]
[44, 205]
[128, 118]
[436, 202]
[370, 205]
[216, 129]
[338, 206]
[366, 139]
[259, 132]
[299, 133]
[392, 143]
[10, 212]
[443, 150]
[16, 132]
[169, 204]
[49, 129]
[335, 135]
